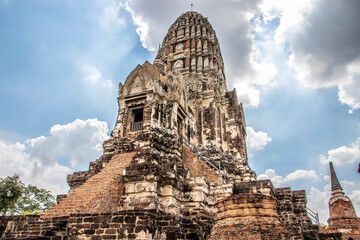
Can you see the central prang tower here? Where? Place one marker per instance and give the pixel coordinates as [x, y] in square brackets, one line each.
[186, 94]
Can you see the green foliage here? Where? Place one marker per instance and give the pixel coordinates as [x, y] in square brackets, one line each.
[36, 212]
[15, 198]
[34, 201]
[11, 189]
[322, 225]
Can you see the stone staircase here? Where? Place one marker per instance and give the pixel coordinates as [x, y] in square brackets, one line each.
[86, 197]
[198, 167]
[215, 165]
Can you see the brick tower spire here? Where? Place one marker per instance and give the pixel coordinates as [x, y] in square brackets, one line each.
[335, 184]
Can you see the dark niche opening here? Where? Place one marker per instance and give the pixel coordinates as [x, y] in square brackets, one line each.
[136, 119]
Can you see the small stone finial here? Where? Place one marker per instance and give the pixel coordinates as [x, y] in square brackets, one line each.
[335, 184]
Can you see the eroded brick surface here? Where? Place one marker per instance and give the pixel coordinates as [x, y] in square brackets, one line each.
[100, 193]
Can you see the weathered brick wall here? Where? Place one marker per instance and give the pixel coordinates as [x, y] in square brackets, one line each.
[292, 212]
[135, 224]
[248, 216]
[32, 227]
[12, 223]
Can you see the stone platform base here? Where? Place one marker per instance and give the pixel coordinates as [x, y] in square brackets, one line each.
[120, 225]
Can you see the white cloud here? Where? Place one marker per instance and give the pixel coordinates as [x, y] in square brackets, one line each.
[142, 29]
[256, 141]
[280, 181]
[14, 158]
[77, 141]
[301, 174]
[277, 180]
[45, 161]
[346, 183]
[248, 94]
[318, 202]
[349, 91]
[93, 77]
[290, 13]
[322, 39]
[50, 175]
[343, 154]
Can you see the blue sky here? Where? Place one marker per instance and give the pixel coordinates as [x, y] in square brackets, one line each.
[295, 65]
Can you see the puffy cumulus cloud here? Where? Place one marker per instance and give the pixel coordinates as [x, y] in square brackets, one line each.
[45, 161]
[343, 154]
[301, 174]
[349, 91]
[94, 78]
[152, 19]
[322, 37]
[246, 68]
[290, 13]
[13, 159]
[249, 84]
[50, 175]
[77, 141]
[256, 141]
[318, 201]
[347, 184]
[142, 29]
[279, 181]
[248, 94]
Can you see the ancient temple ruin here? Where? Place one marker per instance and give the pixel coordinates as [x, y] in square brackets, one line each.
[176, 165]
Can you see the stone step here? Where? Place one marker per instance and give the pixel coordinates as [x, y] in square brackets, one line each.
[77, 200]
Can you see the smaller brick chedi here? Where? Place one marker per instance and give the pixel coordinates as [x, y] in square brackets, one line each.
[343, 220]
[175, 166]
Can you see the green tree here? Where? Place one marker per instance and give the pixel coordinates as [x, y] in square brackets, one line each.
[34, 201]
[11, 189]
